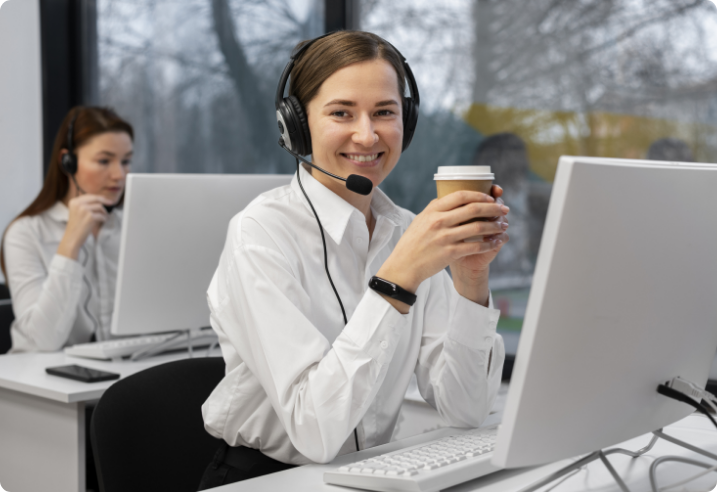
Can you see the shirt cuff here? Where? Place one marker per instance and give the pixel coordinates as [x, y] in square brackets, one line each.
[473, 325]
[376, 327]
[64, 265]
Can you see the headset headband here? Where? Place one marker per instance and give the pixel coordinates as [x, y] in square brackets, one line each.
[71, 132]
[412, 87]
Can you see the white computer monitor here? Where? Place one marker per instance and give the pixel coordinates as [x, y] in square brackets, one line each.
[174, 229]
[624, 297]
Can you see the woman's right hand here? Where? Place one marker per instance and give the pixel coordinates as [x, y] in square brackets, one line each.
[436, 236]
[85, 213]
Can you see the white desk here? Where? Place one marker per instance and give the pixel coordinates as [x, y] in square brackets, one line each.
[695, 429]
[42, 419]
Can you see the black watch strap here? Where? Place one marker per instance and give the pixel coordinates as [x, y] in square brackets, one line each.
[392, 290]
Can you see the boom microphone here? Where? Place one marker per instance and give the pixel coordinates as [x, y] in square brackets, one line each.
[356, 183]
[108, 208]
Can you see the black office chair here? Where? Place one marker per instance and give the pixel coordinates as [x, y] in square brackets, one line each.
[147, 430]
[6, 318]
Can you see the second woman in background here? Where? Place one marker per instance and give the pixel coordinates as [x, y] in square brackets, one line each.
[60, 254]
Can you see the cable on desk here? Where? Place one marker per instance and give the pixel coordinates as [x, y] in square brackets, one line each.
[689, 461]
[566, 477]
[684, 398]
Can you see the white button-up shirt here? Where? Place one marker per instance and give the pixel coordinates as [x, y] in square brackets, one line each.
[297, 380]
[59, 301]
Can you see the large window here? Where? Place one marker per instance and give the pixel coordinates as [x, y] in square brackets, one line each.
[508, 83]
[516, 84]
[197, 78]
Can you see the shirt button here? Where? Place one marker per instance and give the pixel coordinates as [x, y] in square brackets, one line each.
[384, 345]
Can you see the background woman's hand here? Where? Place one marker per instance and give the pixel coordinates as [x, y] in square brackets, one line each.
[86, 212]
[435, 239]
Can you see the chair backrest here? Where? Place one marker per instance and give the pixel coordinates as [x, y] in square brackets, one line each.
[147, 430]
[6, 318]
[4, 292]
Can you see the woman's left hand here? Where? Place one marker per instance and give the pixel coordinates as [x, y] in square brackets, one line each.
[470, 273]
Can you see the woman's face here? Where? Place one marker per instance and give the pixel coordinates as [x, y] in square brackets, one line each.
[102, 165]
[356, 122]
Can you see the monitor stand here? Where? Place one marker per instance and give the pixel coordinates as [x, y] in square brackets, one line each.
[602, 456]
[190, 338]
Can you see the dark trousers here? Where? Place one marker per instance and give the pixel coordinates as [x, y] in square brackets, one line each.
[234, 464]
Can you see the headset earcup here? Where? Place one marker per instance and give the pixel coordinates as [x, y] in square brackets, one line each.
[286, 124]
[410, 119]
[69, 164]
[303, 135]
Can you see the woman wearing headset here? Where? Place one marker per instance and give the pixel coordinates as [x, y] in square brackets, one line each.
[302, 384]
[60, 254]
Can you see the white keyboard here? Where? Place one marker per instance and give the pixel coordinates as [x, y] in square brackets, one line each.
[122, 347]
[427, 467]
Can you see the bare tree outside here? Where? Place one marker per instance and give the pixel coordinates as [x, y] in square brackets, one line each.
[197, 78]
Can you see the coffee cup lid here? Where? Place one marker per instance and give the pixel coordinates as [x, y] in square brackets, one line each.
[463, 172]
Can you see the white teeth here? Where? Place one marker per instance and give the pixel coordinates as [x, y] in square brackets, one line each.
[362, 158]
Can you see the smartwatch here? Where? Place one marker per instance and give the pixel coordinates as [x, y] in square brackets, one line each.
[392, 290]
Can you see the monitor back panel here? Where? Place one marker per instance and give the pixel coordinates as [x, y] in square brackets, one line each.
[174, 229]
[624, 297]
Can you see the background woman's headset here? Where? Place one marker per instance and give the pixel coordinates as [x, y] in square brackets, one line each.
[69, 160]
[291, 116]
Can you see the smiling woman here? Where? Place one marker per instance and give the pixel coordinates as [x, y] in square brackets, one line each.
[60, 254]
[306, 381]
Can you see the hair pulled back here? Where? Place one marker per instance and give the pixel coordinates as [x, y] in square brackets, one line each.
[336, 51]
[89, 122]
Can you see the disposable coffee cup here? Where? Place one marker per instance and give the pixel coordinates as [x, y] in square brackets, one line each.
[473, 178]
[455, 178]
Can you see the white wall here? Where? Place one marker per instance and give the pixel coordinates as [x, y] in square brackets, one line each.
[20, 107]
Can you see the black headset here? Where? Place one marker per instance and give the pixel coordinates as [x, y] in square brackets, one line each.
[68, 163]
[291, 116]
[69, 160]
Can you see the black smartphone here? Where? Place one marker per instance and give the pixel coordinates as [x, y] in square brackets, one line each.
[81, 373]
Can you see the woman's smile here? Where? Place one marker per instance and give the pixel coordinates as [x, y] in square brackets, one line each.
[364, 160]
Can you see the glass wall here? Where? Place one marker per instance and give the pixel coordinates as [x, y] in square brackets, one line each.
[508, 83]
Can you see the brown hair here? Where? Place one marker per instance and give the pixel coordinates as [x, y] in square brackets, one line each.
[88, 122]
[336, 51]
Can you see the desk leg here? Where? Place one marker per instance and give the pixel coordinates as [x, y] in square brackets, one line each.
[42, 444]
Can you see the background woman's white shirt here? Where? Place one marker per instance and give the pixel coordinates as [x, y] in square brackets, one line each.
[298, 381]
[49, 291]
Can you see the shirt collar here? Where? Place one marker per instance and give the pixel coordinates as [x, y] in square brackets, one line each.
[335, 212]
[59, 212]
